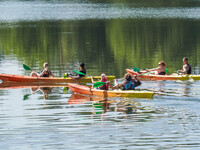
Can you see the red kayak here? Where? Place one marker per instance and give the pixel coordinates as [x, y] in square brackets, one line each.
[55, 80]
[161, 77]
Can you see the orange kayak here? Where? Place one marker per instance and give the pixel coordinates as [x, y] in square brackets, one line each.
[19, 85]
[81, 89]
[162, 77]
[55, 80]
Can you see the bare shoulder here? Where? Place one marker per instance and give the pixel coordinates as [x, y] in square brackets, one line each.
[185, 66]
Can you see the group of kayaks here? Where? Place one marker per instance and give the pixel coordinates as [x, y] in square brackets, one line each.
[9, 80]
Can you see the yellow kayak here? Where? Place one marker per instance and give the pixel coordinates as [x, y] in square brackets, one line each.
[81, 89]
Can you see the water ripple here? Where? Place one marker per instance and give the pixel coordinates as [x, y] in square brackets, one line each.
[34, 11]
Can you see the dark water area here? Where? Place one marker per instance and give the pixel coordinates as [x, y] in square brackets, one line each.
[108, 36]
[117, 44]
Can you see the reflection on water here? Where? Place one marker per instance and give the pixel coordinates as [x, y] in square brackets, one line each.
[108, 46]
[165, 119]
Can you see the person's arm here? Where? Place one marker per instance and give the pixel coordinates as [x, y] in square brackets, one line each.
[43, 72]
[119, 85]
[92, 79]
[185, 69]
[137, 82]
[52, 74]
[153, 69]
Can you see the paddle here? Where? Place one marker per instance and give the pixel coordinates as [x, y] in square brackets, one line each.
[78, 72]
[137, 69]
[26, 67]
[81, 73]
[98, 84]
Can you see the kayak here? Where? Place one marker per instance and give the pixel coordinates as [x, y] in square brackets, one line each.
[81, 89]
[20, 85]
[162, 77]
[55, 80]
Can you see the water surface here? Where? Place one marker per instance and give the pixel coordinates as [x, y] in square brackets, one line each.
[109, 36]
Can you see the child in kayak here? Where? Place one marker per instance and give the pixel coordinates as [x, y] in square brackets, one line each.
[106, 85]
[161, 70]
[44, 73]
[187, 69]
[103, 79]
[129, 83]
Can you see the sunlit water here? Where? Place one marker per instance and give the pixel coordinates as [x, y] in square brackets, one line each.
[60, 120]
[168, 121]
[28, 11]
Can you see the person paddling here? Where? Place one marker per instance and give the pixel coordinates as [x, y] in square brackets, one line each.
[44, 73]
[129, 84]
[187, 69]
[82, 69]
[106, 85]
[161, 70]
[78, 76]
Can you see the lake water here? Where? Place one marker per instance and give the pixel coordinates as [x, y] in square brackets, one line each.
[108, 36]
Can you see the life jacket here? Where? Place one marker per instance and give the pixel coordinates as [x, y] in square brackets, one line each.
[130, 85]
[104, 87]
[47, 74]
[190, 69]
[161, 73]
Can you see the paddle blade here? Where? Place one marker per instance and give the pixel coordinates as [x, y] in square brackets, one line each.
[64, 75]
[78, 72]
[166, 70]
[26, 97]
[98, 84]
[136, 69]
[26, 67]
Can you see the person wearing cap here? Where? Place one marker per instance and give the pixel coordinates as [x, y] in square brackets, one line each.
[44, 73]
[161, 70]
[187, 69]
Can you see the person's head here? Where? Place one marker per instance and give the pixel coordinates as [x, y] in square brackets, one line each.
[45, 65]
[185, 60]
[103, 78]
[128, 77]
[81, 66]
[162, 63]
